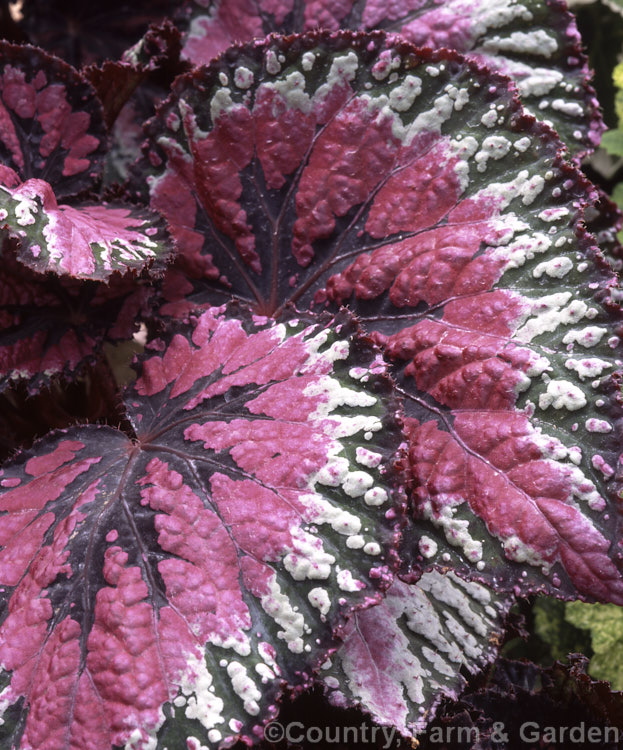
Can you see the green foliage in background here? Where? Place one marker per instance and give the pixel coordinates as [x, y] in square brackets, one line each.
[605, 624]
[612, 140]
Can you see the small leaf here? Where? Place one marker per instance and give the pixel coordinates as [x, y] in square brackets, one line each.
[116, 80]
[52, 122]
[534, 42]
[88, 241]
[400, 658]
[184, 573]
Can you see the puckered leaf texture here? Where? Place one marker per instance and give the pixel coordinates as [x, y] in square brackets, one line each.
[400, 658]
[349, 169]
[52, 125]
[171, 581]
[534, 42]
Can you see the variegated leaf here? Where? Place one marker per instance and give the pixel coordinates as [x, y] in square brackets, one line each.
[400, 658]
[409, 185]
[535, 42]
[52, 126]
[519, 422]
[88, 241]
[171, 580]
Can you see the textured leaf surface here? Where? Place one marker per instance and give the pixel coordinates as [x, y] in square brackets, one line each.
[52, 126]
[535, 42]
[51, 326]
[400, 658]
[409, 185]
[526, 434]
[89, 241]
[185, 572]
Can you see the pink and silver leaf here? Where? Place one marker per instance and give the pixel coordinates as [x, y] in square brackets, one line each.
[535, 42]
[52, 125]
[84, 241]
[281, 169]
[163, 587]
[402, 657]
[457, 238]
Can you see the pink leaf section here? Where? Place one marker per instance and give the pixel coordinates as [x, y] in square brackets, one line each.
[48, 105]
[87, 242]
[529, 501]
[400, 658]
[173, 581]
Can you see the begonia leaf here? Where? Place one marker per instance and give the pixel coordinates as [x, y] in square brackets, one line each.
[173, 579]
[52, 122]
[87, 241]
[535, 42]
[400, 658]
[410, 185]
[523, 431]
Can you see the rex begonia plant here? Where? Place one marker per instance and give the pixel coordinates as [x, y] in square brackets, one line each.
[380, 392]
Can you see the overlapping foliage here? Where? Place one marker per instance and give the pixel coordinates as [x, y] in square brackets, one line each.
[294, 494]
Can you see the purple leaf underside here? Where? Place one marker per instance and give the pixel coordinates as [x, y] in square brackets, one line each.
[175, 579]
[87, 241]
[517, 693]
[401, 657]
[51, 326]
[409, 185]
[535, 42]
[604, 220]
[52, 125]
